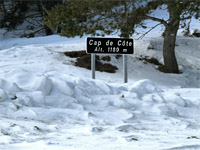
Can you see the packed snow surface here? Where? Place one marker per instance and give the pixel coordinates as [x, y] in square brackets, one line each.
[47, 103]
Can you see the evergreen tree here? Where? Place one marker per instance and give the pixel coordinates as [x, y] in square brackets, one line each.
[79, 17]
[13, 13]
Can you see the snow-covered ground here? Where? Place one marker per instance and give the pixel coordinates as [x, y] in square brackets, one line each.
[47, 103]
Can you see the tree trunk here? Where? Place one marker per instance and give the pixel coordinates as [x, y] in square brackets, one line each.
[170, 62]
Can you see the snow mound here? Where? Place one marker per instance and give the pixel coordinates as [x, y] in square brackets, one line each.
[7, 86]
[60, 98]
[43, 84]
[93, 98]
[144, 87]
[3, 95]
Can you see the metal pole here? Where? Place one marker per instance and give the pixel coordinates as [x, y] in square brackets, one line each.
[93, 65]
[125, 68]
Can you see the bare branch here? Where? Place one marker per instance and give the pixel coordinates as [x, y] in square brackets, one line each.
[143, 35]
[185, 18]
[156, 19]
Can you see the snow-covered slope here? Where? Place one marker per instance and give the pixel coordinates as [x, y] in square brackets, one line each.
[48, 48]
[48, 103]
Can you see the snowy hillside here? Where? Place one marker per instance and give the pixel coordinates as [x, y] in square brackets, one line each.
[48, 103]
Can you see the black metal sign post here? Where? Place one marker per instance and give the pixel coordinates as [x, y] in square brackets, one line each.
[110, 46]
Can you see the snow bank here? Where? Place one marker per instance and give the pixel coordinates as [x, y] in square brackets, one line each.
[69, 96]
[56, 41]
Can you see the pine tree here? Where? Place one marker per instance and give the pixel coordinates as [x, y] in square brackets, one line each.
[13, 13]
[79, 17]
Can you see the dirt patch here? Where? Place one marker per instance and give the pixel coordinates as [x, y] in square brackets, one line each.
[75, 54]
[118, 56]
[154, 61]
[106, 58]
[84, 60]
[150, 60]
